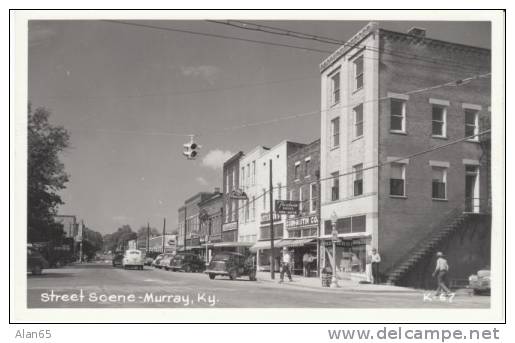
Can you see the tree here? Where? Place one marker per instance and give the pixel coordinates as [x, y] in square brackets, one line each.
[45, 176]
[142, 232]
[91, 243]
[118, 239]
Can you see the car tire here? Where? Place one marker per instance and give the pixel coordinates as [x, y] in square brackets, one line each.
[187, 269]
[37, 270]
[212, 276]
[233, 274]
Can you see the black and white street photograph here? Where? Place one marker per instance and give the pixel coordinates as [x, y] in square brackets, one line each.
[228, 161]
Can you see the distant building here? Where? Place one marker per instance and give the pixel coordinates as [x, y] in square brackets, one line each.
[378, 196]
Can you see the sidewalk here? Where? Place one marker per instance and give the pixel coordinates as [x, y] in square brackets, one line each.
[344, 285]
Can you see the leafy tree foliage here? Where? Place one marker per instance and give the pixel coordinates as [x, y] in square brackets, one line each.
[46, 176]
[118, 239]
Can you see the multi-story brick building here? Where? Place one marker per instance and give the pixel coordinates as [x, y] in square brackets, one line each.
[386, 98]
[189, 222]
[210, 221]
[303, 186]
[231, 182]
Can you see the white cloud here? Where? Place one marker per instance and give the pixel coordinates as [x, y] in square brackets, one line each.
[215, 158]
[208, 72]
[201, 181]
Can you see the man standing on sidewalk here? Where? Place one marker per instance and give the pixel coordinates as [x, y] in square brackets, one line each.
[376, 259]
[441, 274]
[285, 264]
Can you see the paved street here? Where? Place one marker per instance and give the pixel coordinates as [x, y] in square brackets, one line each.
[101, 285]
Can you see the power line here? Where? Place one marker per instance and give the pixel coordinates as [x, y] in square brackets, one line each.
[283, 32]
[215, 35]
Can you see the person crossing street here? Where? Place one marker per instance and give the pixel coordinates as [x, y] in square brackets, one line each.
[285, 265]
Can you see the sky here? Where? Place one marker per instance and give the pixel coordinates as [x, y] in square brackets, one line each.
[129, 95]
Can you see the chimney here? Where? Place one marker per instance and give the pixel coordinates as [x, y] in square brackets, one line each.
[417, 31]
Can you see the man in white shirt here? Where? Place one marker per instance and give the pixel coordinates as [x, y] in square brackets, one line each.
[376, 259]
[442, 267]
[285, 264]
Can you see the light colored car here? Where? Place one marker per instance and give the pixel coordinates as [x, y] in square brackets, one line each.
[480, 282]
[133, 258]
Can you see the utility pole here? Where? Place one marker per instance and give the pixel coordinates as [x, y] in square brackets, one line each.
[164, 231]
[148, 237]
[81, 239]
[272, 255]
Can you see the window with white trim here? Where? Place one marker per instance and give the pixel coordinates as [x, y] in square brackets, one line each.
[439, 121]
[358, 179]
[313, 195]
[397, 115]
[301, 198]
[335, 88]
[296, 171]
[335, 188]
[397, 179]
[358, 73]
[439, 186]
[358, 121]
[335, 132]
[307, 163]
[471, 124]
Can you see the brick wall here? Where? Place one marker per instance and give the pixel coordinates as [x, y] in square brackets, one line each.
[404, 221]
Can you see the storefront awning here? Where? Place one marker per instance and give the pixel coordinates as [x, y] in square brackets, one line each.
[295, 242]
[192, 247]
[229, 244]
[263, 245]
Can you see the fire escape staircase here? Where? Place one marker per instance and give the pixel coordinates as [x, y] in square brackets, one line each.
[426, 246]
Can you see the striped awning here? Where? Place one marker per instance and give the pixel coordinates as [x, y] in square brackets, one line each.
[299, 242]
[261, 245]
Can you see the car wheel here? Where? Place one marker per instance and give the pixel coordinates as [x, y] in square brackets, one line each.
[233, 274]
[187, 268]
[212, 276]
[36, 270]
[252, 276]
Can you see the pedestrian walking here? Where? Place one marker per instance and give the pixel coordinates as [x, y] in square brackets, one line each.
[441, 270]
[376, 259]
[285, 265]
[306, 263]
[368, 268]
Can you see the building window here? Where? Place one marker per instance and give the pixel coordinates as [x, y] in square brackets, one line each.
[243, 177]
[439, 183]
[253, 215]
[248, 175]
[301, 202]
[335, 132]
[307, 163]
[439, 117]
[358, 179]
[234, 178]
[253, 172]
[335, 189]
[335, 89]
[247, 210]
[296, 171]
[397, 115]
[397, 179]
[471, 124]
[358, 121]
[358, 72]
[314, 197]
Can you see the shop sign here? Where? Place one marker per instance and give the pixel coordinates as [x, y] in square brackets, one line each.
[287, 206]
[230, 226]
[298, 222]
[265, 217]
[238, 194]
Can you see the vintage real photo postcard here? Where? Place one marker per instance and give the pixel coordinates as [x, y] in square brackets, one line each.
[328, 166]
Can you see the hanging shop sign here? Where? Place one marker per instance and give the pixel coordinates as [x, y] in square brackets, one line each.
[287, 207]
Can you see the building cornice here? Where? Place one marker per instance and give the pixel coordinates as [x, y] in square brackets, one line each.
[350, 44]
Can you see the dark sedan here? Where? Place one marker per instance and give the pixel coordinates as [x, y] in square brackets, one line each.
[231, 264]
[186, 262]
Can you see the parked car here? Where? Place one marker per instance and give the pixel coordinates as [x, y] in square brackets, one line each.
[157, 260]
[118, 259]
[165, 261]
[148, 261]
[133, 258]
[186, 262]
[35, 261]
[480, 282]
[231, 264]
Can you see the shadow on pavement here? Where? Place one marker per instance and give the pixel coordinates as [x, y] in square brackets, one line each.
[48, 275]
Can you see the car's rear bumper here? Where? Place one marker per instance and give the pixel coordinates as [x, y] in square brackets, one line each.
[216, 272]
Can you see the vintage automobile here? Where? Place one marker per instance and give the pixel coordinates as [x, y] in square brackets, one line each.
[231, 264]
[186, 262]
[480, 282]
[133, 259]
[164, 262]
[157, 260]
[35, 261]
[118, 259]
